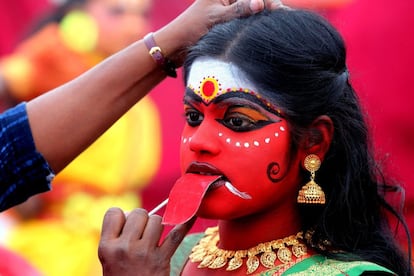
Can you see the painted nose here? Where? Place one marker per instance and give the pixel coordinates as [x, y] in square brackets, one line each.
[205, 140]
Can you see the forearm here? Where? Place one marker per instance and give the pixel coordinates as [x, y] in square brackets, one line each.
[65, 121]
[68, 119]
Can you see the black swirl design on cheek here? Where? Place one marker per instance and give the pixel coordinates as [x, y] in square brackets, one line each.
[273, 170]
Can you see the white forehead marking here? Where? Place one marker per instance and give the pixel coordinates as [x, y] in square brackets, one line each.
[228, 74]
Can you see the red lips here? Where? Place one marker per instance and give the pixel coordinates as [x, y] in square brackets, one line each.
[203, 168]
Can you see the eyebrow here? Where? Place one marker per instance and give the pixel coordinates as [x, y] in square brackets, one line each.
[190, 95]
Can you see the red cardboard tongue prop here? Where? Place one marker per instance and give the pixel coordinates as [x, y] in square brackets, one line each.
[186, 196]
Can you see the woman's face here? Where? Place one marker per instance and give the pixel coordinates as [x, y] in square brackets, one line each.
[233, 131]
[120, 22]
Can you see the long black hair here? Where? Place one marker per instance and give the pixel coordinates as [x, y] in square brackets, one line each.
[297, 58]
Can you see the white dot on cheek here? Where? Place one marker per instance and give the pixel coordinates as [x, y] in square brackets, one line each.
[267, 140]
[256, 143]
[246, 145]
[228, 140]
[184, 140]
[220, 134]
[282, 128]
[238, 144]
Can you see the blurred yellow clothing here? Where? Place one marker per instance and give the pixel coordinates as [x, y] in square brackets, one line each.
[62, 238]
[126, 157]
[67, 245]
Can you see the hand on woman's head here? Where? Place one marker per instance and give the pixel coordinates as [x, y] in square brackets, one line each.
[203, 14]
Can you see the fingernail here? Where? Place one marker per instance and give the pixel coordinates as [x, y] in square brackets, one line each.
[256, 5]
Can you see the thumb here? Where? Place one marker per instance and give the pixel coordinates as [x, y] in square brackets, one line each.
[259, 5]
[177, 234]
[256, 5]
[275, 4]
[242, 8]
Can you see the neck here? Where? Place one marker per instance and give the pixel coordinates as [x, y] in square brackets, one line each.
[261, 227]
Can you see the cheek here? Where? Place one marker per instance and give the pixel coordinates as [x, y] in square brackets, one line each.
[186, 155]
[258, 156]
[263, 155]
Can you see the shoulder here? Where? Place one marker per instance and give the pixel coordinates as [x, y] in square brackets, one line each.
[319, 265]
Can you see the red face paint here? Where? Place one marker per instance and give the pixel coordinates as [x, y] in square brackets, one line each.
[234, 134]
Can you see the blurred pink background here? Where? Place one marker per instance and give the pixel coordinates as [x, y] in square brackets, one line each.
[380, 42]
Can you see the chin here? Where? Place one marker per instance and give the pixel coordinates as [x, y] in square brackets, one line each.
[215, 209]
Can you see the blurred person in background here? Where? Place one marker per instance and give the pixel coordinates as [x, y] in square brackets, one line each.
[77, 35]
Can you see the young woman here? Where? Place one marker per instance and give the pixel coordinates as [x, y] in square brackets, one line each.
[276, 149]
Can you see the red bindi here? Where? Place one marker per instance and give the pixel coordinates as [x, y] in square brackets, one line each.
[208, 88]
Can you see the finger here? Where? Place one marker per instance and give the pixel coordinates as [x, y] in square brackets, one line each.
[135, 224]
[153, 230]
[113, 222]
[175, 237]
[248, 7]
[243, 8]
[275, 4]
[257, 6]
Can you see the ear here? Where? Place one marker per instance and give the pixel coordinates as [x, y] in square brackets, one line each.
[319, 136]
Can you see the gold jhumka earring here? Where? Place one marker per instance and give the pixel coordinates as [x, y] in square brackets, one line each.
[311, 193]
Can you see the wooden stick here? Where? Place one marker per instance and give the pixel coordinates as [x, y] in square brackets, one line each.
[156, 209]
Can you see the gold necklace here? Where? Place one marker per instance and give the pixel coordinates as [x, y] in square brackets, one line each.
[209, 255]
